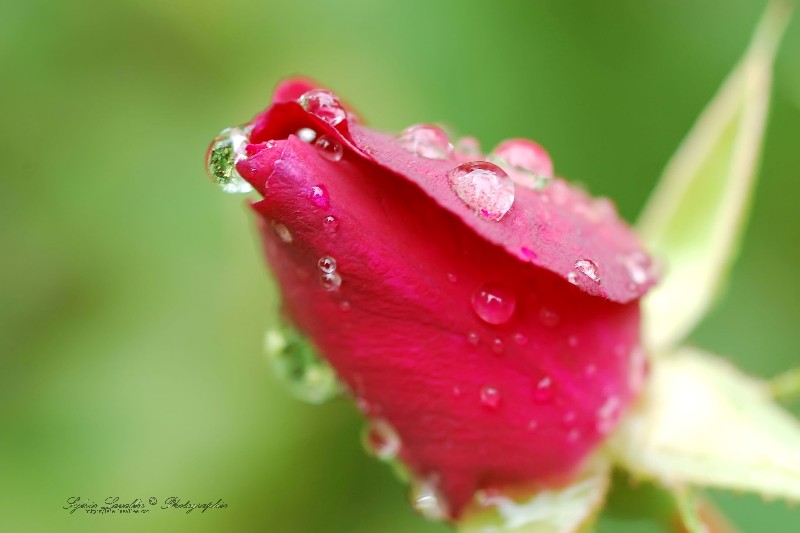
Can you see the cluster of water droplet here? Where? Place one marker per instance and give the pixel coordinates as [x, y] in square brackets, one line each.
[381, 440]
[227, 149]
[329, 278]
[296, 361]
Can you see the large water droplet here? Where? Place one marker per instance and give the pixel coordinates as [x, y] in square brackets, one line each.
[588, 268]
[381, 440]
[484, 187]
[225, 151]
[528, 164]
[323, 105]
[427, 501]
[296, 361]
[490, 397]
[426, 140]
[468, 148]
[494, 304]
[329, 148]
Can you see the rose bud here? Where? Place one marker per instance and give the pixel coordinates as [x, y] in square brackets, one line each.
[483, 313]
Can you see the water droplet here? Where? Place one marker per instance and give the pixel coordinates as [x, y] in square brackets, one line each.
[307, 135]
[638, 266]
[497, 346]
[457, 392]
[345, 306]
[572, 277]
[484, 187]
[327, 264]
[323, 105]
[520, 339]
[329, 148]
[362, 405]
[544, 390]
[331, 282]
[380, 440]
[590, 370]
[330, 224]
[426, 500]
[490, 397]
[296, 361]
[607, 415]
[574, 435]
[282, 232]
[473, 338]
[570, 417]
[533, 425]
[528, 164]
[452, 278]
[468, 147]
[227, 149]
[548, 318]
[494, 304]
[572, 341]
[588, 268]
[319, 196]
[426, 140]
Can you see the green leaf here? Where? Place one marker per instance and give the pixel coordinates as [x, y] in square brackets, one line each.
[689, 512]
[701, 422]
[568, 509]
[786, 386]
[694, 219]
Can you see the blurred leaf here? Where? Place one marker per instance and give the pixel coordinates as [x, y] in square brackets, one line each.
[569, 509]
[689, 511]
[786, 386]
[703, 422]
[696, 214]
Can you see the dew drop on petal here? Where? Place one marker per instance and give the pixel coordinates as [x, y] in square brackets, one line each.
[543, 392]
[452, 278]
[498, 346]
[227, 149]
[323, 105]
[588, 268]
[548, 318]
[319, 196]
[528, 164]
[330, 224]
[296, 361]
[426, 140]
[282, 232]
[520, 339]
[329, 148]
[533, 425]
[572, 277]
[331, 281]
[468, 147]
[569, 418]
[327, 264]
[484, 187]
[380, 440]
[490, 397]
[574, 435]
[473, 338]
[493, 303]
[345, 306]
[307, 135]
[427, 501]
[607, 415]
[637, 265]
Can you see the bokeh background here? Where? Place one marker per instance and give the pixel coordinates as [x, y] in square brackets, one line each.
[133, 296]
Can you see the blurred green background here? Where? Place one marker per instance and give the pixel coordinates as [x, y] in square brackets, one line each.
[133, 296]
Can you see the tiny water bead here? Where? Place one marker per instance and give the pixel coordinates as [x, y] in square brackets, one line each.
[296, 361]
[490, 397]
[330, 224]
[329, 148]
[426, 140]
[543, 392]
[323, 105]
[607, 415]
[318, 195]
[520, 339]
[331, 282]
[380, 440]
[227, 149]
[468, 147]
[473, 338]
[307, 135]
[498, 346]
[588, 268]
[484, 187]
[548, 318]
[494, 304]
[427, 501]
[327, 264]
[572, 277]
